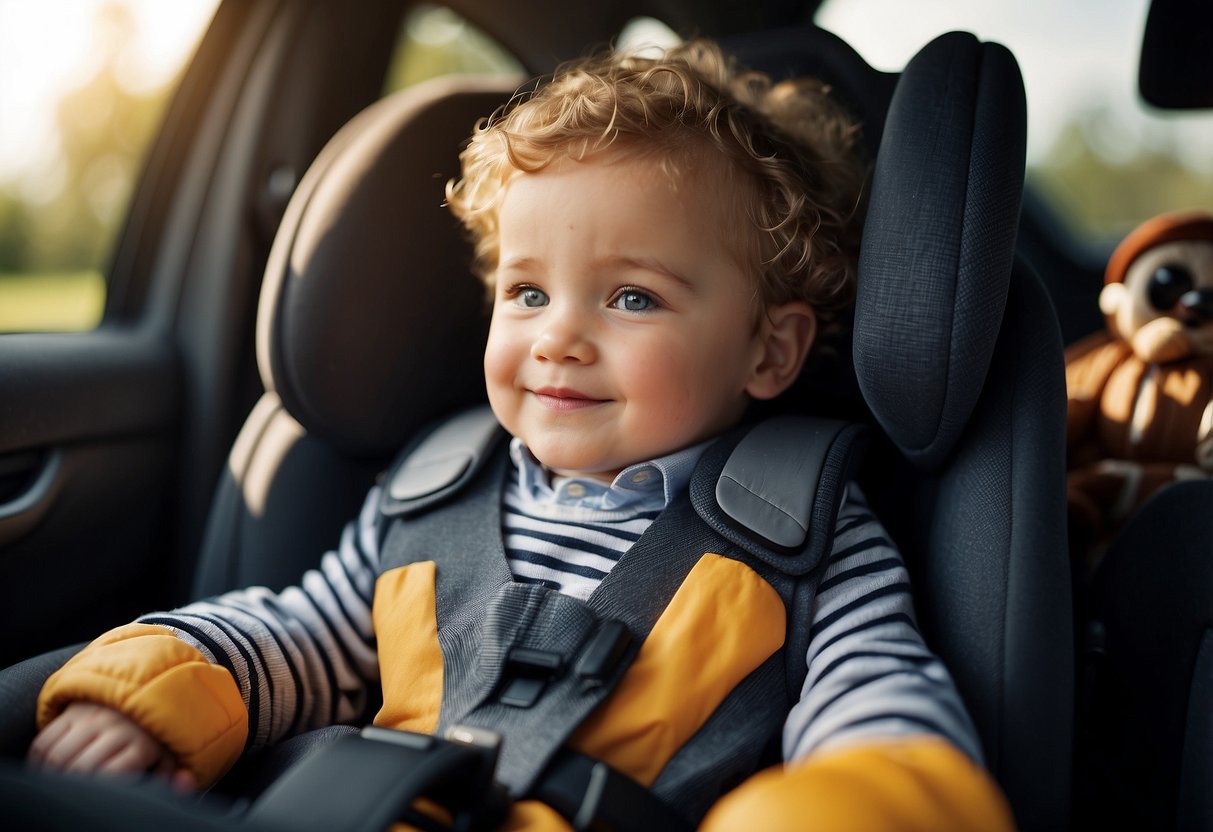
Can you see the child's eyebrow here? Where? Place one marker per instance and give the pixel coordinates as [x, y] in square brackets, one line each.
[610, 262]
[524, 263]
[616, 261]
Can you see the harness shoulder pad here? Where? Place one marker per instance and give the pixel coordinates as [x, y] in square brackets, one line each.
[442, 462]
[778, 488]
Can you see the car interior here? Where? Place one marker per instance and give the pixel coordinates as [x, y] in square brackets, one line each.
[290, 304]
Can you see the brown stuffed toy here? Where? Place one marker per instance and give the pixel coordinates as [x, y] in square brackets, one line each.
[1141, 393]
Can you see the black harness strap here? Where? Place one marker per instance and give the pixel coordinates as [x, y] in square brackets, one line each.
[591, 795]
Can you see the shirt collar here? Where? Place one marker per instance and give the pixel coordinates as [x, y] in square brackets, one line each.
[651, 484]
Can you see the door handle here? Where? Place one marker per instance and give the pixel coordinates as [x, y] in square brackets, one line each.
[29, 481]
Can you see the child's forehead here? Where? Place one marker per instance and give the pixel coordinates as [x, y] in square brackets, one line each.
[690, 167]
[705, 211]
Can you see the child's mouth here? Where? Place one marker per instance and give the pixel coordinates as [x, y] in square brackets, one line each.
[562, 398]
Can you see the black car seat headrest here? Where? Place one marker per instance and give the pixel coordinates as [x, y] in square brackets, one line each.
[939, 242]
[813, 51]
[1175, 72]
[370, 323]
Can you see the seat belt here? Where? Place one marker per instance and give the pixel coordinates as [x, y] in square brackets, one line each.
[381, 772]
[777, 496]
[370, 781]
[589, 794]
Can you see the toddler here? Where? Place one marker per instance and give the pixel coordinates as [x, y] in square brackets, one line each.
[665, 240]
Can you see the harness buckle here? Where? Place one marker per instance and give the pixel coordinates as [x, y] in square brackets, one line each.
[456, 771]
[606, 649]
[528, 672]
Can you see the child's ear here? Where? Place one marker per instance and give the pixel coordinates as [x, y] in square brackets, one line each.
[786, 334]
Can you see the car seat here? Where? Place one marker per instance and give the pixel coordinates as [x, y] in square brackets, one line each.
[369, 327]
[958, 356]
[1145, 717]
[1145, 708]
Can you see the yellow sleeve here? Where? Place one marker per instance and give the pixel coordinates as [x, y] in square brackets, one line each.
[918, 783]
[167, 687]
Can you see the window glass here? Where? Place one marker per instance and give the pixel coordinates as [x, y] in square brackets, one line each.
[1096, 153]
[83, 87]
[645, 36]
[436, 41]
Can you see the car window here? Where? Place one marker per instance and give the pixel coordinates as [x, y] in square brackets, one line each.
[83, 87]
[436, 41]
[1101, 159]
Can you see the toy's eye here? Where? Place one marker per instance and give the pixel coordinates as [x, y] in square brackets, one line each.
[1168, 284]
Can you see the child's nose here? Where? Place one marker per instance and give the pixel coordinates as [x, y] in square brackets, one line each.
[563, 339]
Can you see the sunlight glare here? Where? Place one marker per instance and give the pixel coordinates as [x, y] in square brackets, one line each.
[50, 48]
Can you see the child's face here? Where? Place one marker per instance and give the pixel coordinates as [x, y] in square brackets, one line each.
[623, 329]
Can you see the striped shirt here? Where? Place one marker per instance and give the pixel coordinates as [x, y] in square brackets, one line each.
[305, 657]
[568, 534]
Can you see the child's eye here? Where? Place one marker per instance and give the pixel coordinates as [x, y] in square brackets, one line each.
[633, 300]
[529, 296]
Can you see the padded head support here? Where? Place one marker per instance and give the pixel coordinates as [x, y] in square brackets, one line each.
[813, 51]
[939, 241]
[1175, 71]
[370, 322]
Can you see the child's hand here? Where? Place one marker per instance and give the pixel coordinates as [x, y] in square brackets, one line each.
[88, 738]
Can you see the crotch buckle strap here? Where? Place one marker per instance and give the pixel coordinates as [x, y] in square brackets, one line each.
[591, 795]
[381, 773]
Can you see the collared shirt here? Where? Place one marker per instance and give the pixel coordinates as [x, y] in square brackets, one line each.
[568, 532]
[653, 484]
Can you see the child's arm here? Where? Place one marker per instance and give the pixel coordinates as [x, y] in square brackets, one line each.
[94, 739]
[880, 738]
[870, 674]
[280, 662]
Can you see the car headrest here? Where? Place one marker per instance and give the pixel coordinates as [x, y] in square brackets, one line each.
[813, 51]
[939, 241]
[370, 323]
[1175, 71]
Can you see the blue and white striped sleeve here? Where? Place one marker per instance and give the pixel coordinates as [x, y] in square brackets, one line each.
[304, 657]
[870, 675]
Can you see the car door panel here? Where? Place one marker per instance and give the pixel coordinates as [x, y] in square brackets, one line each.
[87, 440]
[111, 441]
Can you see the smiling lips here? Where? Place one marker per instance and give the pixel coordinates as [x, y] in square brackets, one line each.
[562, 398]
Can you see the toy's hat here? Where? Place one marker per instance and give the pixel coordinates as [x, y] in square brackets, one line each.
[1165, 228]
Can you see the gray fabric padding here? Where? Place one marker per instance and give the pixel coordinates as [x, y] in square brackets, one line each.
[348, 333]
[20, 685]
[770, 482]
[280, 504]
[994, 582]
[939, 241]
[460, 445]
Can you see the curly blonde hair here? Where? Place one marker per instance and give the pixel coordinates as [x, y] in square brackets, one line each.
[791, 149]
